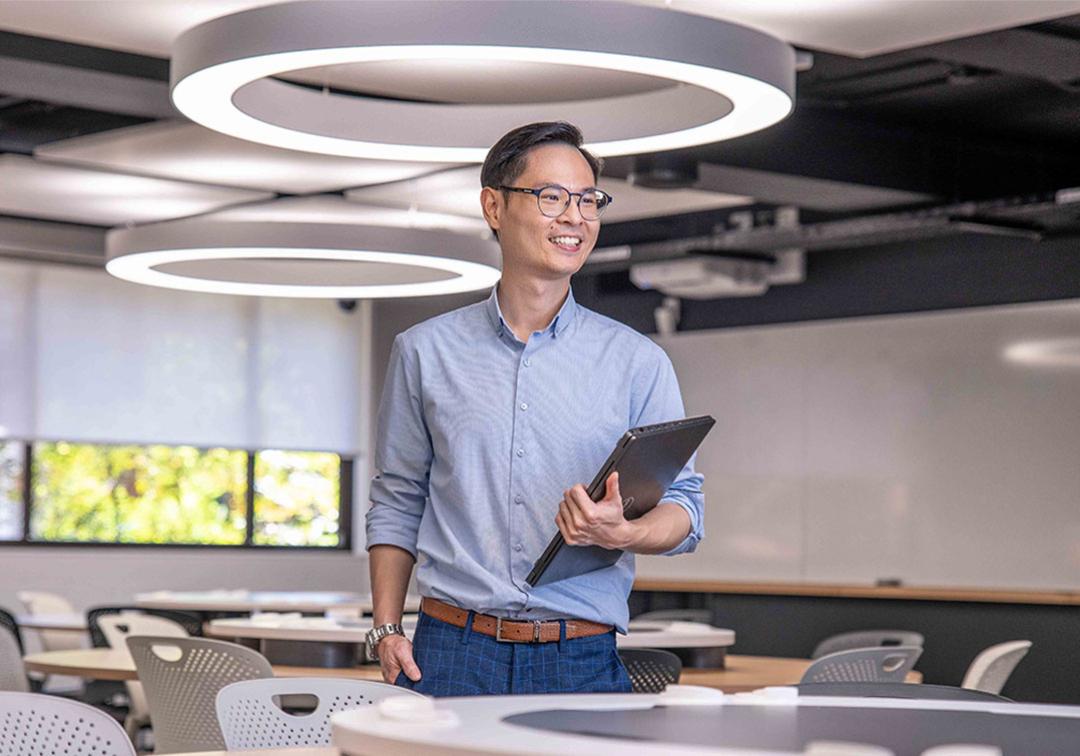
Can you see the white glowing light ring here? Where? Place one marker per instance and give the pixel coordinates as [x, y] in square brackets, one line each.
[740, 80]
[1048, 353]
[135, 254]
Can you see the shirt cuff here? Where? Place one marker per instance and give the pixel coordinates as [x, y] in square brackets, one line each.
[688, 544]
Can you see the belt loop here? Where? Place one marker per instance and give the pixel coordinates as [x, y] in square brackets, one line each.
[562, 634]
[467, 634]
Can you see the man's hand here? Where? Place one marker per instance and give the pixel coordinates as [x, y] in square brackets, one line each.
[584, 522]
[395, 655]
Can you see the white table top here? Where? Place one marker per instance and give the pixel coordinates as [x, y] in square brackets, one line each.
[475, 725]
[675, 635]
[246, 601]
[68, 622]
[322, 629]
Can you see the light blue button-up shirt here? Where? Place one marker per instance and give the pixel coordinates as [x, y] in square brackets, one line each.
[478, 436]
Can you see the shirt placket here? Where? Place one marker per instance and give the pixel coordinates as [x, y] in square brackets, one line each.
[523, 445]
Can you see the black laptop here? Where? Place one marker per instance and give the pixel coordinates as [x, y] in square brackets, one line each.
[648, 459]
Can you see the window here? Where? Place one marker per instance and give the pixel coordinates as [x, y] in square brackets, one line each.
[12, 471]
[173, 495]
[296, 496]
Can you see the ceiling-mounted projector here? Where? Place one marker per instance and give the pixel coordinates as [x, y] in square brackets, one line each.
[713, 276]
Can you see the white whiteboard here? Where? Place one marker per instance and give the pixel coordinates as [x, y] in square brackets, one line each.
[903, 447]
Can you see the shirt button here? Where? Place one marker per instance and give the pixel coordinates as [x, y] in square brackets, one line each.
[524, 406]
[517, 547]
[527, 362]
[519, 499]
[521, 452]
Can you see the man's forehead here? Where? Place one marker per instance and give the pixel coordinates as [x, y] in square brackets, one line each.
[561, 164]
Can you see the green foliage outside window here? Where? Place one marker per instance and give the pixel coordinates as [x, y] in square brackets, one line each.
[12, 469]
[296, 498]
[138, 494]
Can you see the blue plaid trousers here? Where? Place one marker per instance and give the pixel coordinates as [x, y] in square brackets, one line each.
[455, 661]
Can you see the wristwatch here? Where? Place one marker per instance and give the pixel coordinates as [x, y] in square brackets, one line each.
[376, 634]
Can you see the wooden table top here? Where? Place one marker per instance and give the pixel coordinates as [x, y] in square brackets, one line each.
[742, 673]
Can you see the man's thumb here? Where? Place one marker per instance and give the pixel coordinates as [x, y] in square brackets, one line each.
[411, 670]
[613, 487]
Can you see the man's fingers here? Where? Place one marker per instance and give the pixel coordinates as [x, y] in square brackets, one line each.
[567, 533]
[396, 655]
[575, 515]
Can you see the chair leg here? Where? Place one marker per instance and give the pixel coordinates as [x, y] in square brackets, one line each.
[132, 727]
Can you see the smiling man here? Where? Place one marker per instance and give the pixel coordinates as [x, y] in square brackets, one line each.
[491, 419]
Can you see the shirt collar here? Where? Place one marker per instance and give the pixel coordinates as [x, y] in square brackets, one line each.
[563, 318]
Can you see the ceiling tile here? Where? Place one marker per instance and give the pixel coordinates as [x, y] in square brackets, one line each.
[334, 209]
[38, 189]
[188, 152]
[457, 191]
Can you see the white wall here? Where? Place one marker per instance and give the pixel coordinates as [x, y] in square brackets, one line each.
[91, 576]
[83, 355]
[893, 447]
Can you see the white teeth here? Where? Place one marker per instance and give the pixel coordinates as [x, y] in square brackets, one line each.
[569, 241]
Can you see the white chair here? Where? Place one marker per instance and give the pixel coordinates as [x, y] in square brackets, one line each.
[40, 602]
[250, 717]
[182, 677]
[39, 725]
[877, 665]
[992, 667]
[116, 628]
[866, 639]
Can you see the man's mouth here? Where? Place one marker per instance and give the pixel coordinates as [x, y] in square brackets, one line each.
[566, 242]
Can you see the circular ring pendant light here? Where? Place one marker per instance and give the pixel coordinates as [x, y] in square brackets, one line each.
[726, 80]
[312, 260]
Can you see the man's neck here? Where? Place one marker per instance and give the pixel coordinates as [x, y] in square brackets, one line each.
[529, 305]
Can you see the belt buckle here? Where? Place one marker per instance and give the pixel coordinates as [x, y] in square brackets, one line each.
[499, 636]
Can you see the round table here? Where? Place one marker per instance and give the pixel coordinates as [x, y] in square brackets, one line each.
[293, 639]
[742, 673]
[685, 720]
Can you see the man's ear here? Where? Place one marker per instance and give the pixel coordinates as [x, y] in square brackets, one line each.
[491, 202]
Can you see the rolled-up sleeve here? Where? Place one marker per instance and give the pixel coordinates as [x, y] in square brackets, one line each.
[659, 401]
[403, 454]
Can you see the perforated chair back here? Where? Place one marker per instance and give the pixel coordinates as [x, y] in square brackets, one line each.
[182, 677]
[40, 602]
[867, 665]
[33, 724]
[191, 623]
[12, 673]
[250, 717]
[116, 628]
[866, 639]
[651, 670]
[992, 667]
[704, 616]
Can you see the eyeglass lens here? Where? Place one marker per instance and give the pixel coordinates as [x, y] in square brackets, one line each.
[554, 200]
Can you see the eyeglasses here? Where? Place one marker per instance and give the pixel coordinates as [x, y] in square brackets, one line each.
[554, 199]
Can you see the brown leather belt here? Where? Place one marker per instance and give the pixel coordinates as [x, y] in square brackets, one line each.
[511, 631]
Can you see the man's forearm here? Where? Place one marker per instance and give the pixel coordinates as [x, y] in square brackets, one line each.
[390, 568]
[661, 529]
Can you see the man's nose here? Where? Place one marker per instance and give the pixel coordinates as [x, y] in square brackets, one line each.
[572, 213]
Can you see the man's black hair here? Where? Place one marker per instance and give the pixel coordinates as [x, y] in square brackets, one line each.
[506, 160]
